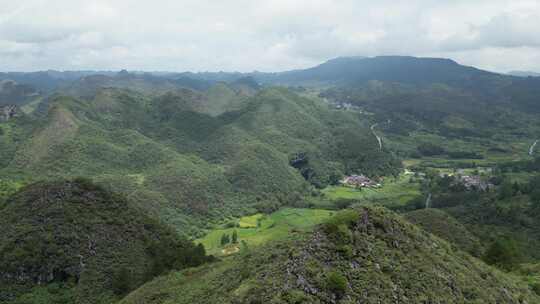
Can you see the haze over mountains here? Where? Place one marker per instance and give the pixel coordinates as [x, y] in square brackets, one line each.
[340, 70]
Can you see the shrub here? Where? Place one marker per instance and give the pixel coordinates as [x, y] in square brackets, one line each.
[336, 282]
[231, 224]
[536, 288]
[346, 251]
[296, 297]
[343, 203]
[345, 217]
[121, 282]
[86, 184]
[338, 226]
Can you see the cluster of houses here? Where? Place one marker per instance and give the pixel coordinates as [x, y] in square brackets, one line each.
[474, 182]
[345, 106]
[359, 181]
[7, 112]
[470, 182]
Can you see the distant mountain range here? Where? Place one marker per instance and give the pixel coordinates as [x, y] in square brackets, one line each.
[339, 70]
[524, 73]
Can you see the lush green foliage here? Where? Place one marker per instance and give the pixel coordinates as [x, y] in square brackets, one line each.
[263, 228]
[187, 159]
[85, 238]
[336, 282]
[504, 253]
[199, 154]
[395, 192]
[407, 263]
[448, 228]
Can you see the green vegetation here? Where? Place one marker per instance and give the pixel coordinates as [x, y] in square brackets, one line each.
[57, 293]
[237, 167]
[8, 188]
[311, 268]
[75, 242]
[278, 225]
[252, 221]
[336, 282]
[394, 192]
[499, 224]
[430, 149]
[506, 212]
[186, 159]
[504, 253]
[448, 228]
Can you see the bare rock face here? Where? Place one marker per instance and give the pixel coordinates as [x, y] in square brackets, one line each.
[8, 112]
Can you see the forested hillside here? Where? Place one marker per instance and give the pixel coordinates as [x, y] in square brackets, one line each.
[116, 184]
[190, 156]
[368, 255]
[75, 242]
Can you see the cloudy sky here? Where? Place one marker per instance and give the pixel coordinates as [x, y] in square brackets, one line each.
[264, 35]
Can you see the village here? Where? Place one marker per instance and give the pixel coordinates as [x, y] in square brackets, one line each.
[7, 112]
[469, 182]
[474, 182]
[359, 181]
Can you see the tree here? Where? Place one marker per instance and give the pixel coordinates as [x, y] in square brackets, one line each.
[171, 252]
[506, 190]
[197, 256]
[503, 253]
[121, 281]
[234, 237]
[225, 239]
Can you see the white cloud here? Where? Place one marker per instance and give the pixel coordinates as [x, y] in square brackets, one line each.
[268, 35]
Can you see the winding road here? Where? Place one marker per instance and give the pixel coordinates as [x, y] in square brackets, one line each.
[531, 149]
[379, 139]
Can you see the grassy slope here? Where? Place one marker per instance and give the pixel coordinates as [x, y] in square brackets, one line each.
[276, 226]
[393, 193]
[386, 260]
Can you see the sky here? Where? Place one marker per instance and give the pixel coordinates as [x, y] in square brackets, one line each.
[263, 35]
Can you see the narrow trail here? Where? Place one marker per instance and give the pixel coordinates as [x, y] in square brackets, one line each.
[428, 200]
[533, 146]
[379, 139]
